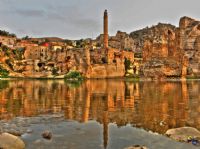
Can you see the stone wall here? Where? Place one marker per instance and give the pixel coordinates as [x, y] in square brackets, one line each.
[105, 71]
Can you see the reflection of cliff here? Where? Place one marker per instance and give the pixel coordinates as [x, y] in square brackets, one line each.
[194, 104]
[154, 106]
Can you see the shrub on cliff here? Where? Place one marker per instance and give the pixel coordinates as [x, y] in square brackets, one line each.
[18, 53]
[127, 64]
[3, 72]
[73, 75]
[54, 71]
[5, 33]
[9, 62]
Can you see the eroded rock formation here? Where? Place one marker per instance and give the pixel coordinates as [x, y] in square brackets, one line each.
[159, 51]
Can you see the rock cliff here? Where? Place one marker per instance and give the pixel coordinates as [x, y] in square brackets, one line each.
[159, 51]
[165, 46]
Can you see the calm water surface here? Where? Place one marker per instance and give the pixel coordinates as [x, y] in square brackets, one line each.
[101, 104]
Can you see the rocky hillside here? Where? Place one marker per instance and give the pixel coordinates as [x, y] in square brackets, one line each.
[189, 39]
[179, 45]
[155, 34]
[175, 48]
[160, 51]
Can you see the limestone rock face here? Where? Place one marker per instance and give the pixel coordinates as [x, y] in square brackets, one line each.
[157, 41]
[106, 71]
[8, 141]
[162, 50]
[160, 54]
[161, 68]
[182, 134]
[121, 40]
[189, 42]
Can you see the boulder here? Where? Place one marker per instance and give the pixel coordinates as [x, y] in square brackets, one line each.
[8, 141]
[183, 133]
[47, 135]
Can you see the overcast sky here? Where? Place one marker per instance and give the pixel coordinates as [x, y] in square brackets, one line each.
[75, 19]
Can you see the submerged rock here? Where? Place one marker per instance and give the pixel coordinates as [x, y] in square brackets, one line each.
[47, 135]
[29, 131]
[136, 147]
[8, 141]
[183, 133]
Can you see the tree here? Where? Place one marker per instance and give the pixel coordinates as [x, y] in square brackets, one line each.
[73, 75]
[5, 33]
[127, 64]
[25, 38]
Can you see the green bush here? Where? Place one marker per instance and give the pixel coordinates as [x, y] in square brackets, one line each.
[5, 33]
[73, 75]
[54, 71]
[3, 72]
[127, 64]
[18, 53]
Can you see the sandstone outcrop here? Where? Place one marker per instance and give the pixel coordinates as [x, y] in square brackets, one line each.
[190, 43]
[8, 141]
[182, 134]
[155, 41]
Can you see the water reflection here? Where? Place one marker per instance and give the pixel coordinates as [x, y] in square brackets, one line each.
[157, 106]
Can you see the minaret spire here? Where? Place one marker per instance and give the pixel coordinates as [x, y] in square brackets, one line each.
[105, 20]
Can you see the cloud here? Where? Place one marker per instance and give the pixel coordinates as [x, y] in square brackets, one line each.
[81, 18]
[29, 13]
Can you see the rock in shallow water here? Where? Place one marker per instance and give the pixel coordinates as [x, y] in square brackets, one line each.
[47, 135]
[182, 133]
[8, 141]
[29, 130]
[136, 147]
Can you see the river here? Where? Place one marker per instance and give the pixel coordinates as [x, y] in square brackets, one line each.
[110, 113]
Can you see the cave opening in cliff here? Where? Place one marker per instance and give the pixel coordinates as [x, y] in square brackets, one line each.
[51, 64]
[198, 27]
[169, 32]
[170, 38]
[41, 64]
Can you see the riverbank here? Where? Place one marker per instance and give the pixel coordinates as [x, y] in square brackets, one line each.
[117, 78]
[73, 134]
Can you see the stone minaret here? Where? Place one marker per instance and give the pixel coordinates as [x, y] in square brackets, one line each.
[105, 22]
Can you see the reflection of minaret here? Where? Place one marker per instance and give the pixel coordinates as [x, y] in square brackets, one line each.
[136, 90]
[87, 103]
[110, 103]
[105, 129]
[105, 39]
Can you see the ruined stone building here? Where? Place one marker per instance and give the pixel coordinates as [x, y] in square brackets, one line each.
[8, 41]
[107, 62]
[53, 57]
